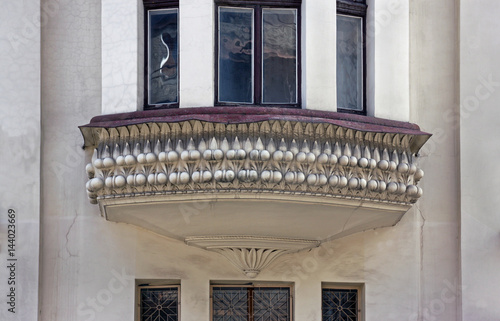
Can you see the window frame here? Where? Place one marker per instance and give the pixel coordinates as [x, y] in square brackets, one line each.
[356, 8]
[150, 5]
[347, 286]
[258, 5]
[289, 286]
[166, 285]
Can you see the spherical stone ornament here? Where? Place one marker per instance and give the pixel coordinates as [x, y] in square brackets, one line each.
[344, 160]
[403, 168]
[130, 160]
[412, 190]
[333, 180]
[231, 154]
[96, 184]
[362, 183]
[120, 181]
[108, 182]
[353, 183]
[300, 157]
[184, 177]
[323, 159]
[162, 157]
[383, 165]
[98, 163]
[419, 174]
[140, 179]
[392, 187]
[265, 155]
[278, 155]
[150, 158]
[372, 185]
[342, 182]
[120, 160]
[392, 166]
[310, 157]
[141, 158]
[194, 155]
[108, 162]
[363, 162]
[172, 156]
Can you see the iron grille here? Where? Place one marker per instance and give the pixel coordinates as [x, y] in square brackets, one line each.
[251, 304]
[159, 304]
[340, 305]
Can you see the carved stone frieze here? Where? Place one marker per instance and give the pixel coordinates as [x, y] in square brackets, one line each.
[274, 156]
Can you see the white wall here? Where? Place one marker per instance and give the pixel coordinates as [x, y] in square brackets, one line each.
[319, 59]
[20, 156]
[479, 150]
[387, 54]
[122, 56]
[434, 93]
[71, 95]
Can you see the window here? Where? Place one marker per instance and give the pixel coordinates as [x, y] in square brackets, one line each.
[351, 56]
[341, 303]
[257, 52]
[162, 54]
[159, 303]
[249, 303]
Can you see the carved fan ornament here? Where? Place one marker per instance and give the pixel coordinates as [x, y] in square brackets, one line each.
[276, 156]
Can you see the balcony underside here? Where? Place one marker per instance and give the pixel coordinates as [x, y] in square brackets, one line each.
[252, 183]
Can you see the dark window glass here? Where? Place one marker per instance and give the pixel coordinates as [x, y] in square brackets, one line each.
[161, 304]
[236, 55]
[340, 305]
[279, 51]
[163, 57]
[350, 62]
[248, 303]
[258, 57]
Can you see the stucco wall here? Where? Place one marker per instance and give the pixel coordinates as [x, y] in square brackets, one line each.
[479, 148]
[20, 157]
[434, 94]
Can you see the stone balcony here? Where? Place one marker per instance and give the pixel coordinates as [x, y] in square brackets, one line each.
[252, 183]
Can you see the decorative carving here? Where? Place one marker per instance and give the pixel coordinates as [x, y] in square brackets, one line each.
[250, 254]
[275, 156]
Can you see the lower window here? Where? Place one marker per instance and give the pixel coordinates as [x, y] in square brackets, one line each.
[341, 303]
[249, 303]
[159, 303]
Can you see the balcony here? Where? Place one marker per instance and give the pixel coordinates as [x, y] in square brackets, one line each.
[252, 183]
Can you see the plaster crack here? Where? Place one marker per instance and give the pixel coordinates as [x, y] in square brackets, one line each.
[67, 235]
[422, 225]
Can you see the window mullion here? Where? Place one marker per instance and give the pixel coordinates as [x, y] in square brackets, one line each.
[258, 55]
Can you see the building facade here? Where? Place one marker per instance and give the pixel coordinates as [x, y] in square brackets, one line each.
[236, 160]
